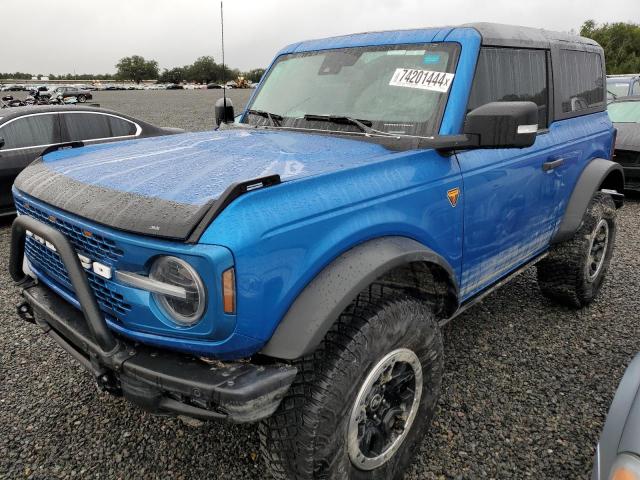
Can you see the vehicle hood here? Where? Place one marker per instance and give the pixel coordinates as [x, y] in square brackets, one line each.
[628, 136]
[163, 186]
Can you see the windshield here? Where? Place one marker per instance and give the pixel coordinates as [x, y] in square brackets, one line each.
[624, 112]
[397, 89]
[619, 87]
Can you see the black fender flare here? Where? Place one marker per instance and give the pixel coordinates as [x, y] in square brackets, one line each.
[599, 174]
[319, 305]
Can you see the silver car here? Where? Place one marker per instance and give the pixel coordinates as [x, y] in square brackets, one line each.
[618, 453]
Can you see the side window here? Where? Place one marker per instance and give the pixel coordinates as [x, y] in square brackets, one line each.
[121, 127]
[31, 131]
[511, 74]
[86, 126]
[636, 88]
[581, 82]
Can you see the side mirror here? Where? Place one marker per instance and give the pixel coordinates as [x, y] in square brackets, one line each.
[1, 142]
[224, 112]
[503, 124]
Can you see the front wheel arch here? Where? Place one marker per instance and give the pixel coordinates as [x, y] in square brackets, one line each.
[398, 262]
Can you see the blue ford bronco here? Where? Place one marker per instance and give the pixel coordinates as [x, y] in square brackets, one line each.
[295, 266]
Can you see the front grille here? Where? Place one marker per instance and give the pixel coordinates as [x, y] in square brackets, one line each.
[96, 247]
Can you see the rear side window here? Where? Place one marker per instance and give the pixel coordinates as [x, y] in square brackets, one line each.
[91, 126]
[121, 127]
[580, 82]
[31, 131]
[636, 88]
[511, 74]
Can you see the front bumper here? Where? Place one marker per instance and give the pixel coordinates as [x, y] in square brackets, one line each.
[158, 380]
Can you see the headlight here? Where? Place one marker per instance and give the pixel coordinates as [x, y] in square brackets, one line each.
[626, 467]
[174, 271]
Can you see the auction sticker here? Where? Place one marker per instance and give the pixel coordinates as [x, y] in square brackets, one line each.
[422, 79]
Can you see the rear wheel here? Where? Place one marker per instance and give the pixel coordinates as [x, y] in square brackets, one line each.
[364, 399]
[573, 272]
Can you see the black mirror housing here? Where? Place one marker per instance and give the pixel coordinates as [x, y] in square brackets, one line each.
[503, 124]
[224, 112]
[1, 142]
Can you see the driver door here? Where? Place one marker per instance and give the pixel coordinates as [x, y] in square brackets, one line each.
[510, 208]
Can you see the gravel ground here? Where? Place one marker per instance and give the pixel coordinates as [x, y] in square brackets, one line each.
[188, 109]
[527, 387]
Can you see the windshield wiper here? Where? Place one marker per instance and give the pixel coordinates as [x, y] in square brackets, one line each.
[615, 97]
[274, 118]
[363, 125]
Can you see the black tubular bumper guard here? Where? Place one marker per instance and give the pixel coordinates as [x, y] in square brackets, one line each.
[159, 380]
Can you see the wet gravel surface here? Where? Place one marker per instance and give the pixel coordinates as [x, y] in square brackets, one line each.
[527, 387]
[188, 109]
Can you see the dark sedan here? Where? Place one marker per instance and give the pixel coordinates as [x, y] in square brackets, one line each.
[26, 131]
[67, 92]
[625, 115]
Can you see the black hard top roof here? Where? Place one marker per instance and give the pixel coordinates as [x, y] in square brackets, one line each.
[497, 34]
[503, 35]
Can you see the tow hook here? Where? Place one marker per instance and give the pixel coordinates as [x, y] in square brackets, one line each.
[25, 312]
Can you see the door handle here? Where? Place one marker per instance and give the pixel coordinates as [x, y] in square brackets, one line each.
[550, 165]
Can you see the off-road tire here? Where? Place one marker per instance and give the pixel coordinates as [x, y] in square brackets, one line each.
[307, 436]
[563, 275]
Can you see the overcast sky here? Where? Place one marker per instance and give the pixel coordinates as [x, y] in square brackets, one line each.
[90, 36]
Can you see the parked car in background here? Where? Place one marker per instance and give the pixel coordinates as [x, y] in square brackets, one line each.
[214, 86]
[83, 86]
[67, 92]
[618, 451]
[13, 88]
[26, 131]
[622, 86]
[174, 86]
[625, 115]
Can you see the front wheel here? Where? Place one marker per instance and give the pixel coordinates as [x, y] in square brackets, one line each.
[82, 98]
[363, 400]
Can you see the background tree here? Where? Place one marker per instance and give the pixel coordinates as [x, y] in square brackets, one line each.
[136, 68]
[254, 75]
[16, 75]
[175, 75]
[621, 44]
[204, 70]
